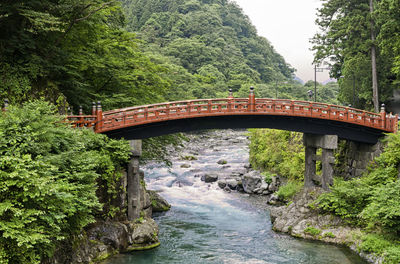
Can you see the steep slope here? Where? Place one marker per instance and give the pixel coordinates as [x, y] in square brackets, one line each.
[212, 40]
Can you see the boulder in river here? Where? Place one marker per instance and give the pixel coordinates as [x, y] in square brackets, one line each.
[227, 189]
[222, 162]
[263, 189]
[232, 184]
[251, 181]
[222, 184]
[185, 166]
[106, 238]
[158, 203]
[144, 234]
[274, 185]
[209, 177]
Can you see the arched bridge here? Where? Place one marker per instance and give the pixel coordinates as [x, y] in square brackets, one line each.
[146, 121]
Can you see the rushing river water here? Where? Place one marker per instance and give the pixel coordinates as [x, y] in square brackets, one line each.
[208, 225]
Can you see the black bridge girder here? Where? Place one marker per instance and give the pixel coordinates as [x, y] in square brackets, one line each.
[343, 130]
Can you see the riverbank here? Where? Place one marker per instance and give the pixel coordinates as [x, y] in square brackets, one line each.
[299, 219]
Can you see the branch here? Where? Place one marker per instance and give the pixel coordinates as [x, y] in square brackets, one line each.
[75, 20]
[94, 11]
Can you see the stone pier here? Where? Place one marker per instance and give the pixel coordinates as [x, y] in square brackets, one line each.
[133, 181]
[328, 143]
[356, 158]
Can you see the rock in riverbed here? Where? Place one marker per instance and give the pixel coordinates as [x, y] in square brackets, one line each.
[158, 203]
[222, 162]
[106, 238]
[251, 181]
[222, 184]
[232, 184]
[209, 177]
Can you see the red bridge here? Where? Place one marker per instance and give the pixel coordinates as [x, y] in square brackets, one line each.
[309, 117]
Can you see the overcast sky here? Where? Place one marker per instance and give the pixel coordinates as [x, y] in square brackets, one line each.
[288, 25]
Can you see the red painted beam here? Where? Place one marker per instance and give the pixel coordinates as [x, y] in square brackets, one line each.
[139, 115]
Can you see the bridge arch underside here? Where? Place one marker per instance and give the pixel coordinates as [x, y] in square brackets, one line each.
[318, 126]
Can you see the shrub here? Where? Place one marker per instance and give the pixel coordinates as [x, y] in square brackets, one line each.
[312, 231]
[329, 234]
[268, 176]
[286, 192]
[383, 209]
[49, 174]
[277, 151]
[392, 255]
[374, 243]
[346, 199]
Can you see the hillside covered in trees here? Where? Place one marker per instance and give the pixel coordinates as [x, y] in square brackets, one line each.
[213, 41]
[82, 51]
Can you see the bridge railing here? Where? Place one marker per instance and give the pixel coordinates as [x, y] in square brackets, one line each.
[139, 115]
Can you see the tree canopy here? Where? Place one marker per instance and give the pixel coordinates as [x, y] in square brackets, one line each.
[345, 40]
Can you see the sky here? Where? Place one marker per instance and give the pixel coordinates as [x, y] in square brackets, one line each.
[288, 25]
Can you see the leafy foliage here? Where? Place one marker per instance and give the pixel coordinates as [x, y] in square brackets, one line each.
[212, 40]
[345, 42]
[288, 191]
[76, 49]
[277, 151]
[372, 202]
[49, 174]
[346, 199]
[312, 231]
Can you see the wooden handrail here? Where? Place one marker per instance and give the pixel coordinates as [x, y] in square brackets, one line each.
[139, 115]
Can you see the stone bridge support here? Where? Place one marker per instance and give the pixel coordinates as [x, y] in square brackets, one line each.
[328, 143]
[356, 158]
[133, 181]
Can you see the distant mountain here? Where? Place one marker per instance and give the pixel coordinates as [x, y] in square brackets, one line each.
[329, 81]
[297, 79]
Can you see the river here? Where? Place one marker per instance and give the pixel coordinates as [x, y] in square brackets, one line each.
[208, 225]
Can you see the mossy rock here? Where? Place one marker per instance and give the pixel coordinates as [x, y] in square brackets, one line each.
[188, 157]
[140, 247]
[158, 203]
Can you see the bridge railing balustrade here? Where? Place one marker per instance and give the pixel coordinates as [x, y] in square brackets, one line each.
[82, 120]
[138, 115]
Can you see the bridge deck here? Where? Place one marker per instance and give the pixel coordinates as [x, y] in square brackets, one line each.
[140, 115]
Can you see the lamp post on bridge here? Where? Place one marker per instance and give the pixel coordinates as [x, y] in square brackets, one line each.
[318, 69]
[252, 100]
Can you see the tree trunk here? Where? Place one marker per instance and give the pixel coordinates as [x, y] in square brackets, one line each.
[375, 95]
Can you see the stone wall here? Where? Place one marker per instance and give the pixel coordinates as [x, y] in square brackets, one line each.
[354, 158]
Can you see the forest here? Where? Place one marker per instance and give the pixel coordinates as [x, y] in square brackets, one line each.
[60, 54]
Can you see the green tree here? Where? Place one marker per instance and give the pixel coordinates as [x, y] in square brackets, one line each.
[50, 174]
[346, 41]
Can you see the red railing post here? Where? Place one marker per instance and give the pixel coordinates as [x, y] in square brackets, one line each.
[93, 108]
[383, 116]
[81, 118]
[252, 101]
[99, 118]
[230, 99]
[5, 106]
[188, 106]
